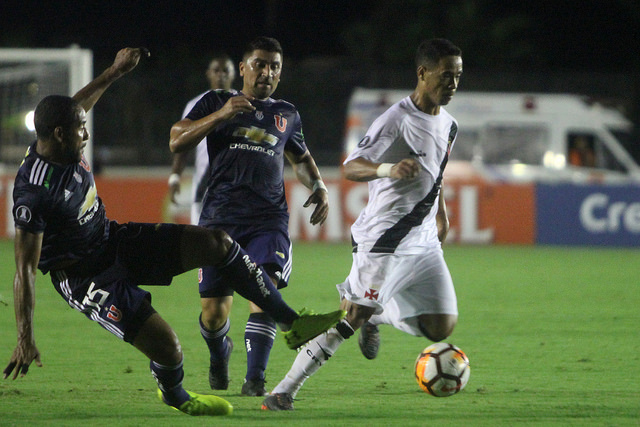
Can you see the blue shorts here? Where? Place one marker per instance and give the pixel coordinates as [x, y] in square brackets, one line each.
[105, 285]
[268, 246]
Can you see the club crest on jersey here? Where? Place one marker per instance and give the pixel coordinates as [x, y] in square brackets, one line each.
[371, 294]
[85, 164]
[281, 123]
[259, 115]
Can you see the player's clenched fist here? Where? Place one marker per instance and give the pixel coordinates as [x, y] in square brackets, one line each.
[127, 58]
[405, 169]
[237, 105]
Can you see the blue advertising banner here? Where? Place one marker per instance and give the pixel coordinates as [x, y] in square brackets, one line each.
[605, 215]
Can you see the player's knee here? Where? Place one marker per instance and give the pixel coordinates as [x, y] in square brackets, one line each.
[220, 240]
[437, 330]
[213, 319]
[213, 244]
[215, 312]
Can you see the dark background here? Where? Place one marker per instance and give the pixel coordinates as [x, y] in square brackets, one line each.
[588, 47]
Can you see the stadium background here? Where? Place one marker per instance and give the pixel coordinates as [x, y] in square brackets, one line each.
[541, 46]
[551, 331]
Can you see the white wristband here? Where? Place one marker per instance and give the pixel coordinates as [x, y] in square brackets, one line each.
[174, 179]
[384, 170]
[319, 184]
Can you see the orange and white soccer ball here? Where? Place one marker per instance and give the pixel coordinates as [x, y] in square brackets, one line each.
[442, 369]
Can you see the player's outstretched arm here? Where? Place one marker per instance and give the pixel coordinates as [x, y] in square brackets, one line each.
[27, 253]
[362, 170]
[125, 61]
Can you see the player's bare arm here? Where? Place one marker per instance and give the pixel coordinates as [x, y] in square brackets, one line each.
[362, 170]
[308, 174]
[125, 61]
[27, 253]
[442, 219]
[187, 134]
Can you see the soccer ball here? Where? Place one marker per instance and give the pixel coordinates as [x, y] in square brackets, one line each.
[442, 369]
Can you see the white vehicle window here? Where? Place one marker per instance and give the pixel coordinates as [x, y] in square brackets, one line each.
[588, 150]
[507, 144]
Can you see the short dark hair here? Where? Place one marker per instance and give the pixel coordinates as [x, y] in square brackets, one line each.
[220, 56]
[430, 52]
[53, 111]
[268, 44]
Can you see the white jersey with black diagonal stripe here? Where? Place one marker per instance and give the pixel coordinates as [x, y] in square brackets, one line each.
[400, 215]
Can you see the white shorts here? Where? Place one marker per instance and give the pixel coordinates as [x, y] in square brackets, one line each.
[401, 287]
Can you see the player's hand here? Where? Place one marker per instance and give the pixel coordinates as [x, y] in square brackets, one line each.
[127, 59]
[237, 105]
[24, 354]
[174, 190]
[405, 169]
[320, 198]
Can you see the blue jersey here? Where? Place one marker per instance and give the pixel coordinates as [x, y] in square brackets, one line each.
[246, 155]
[60, 201]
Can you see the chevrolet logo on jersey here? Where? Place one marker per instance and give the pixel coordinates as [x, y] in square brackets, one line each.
[256, 135]
[89, 207]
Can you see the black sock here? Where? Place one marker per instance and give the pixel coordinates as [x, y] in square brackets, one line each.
[169, 379]
[252, 282]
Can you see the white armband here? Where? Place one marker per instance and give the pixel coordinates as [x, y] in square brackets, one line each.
[319, 184]
[384, 170]
[174, 179]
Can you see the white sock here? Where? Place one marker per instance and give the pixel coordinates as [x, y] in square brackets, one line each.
[379, 319]
[309, 360]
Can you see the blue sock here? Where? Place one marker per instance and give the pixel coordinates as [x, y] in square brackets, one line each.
[253, 283]
[216, 340]
[169, 379]
[259, 335]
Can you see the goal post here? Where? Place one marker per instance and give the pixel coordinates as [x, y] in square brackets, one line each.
[28, 75]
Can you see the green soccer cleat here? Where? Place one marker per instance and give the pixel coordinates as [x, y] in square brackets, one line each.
[310, 325]
[203, 404]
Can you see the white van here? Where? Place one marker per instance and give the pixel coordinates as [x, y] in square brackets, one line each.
[522, 136]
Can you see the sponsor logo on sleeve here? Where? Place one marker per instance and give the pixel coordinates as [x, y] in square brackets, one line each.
[23, 213]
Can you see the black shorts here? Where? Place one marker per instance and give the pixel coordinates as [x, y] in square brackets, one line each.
[105, 286]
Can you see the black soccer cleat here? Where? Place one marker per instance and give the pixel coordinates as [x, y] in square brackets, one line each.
[369, 340]
[219, 370]
[278, 402]
[254, 387]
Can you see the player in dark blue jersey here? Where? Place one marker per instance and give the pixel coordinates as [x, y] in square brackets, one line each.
[97, 265]
[249, 134]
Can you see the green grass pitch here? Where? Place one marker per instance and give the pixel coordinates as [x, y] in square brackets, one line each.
[551, 333]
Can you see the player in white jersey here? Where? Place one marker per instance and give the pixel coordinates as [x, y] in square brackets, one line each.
[398, 275]
[220, 75]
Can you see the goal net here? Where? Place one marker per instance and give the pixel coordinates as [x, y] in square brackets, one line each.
[27, 76]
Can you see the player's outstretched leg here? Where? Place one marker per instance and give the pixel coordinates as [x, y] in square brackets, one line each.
[255, 285]
[202, 404]
[307, 362]
[369, 340]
